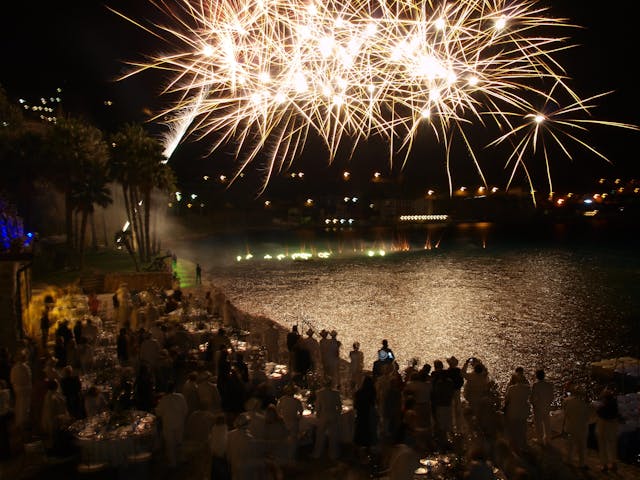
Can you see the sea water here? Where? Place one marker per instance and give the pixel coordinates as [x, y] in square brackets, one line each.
[556, 298]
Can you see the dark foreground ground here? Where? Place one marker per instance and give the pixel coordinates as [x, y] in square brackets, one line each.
[539, 463]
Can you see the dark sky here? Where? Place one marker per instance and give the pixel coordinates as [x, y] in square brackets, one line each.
[82, 47]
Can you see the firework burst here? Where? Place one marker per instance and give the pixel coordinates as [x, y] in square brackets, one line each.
[266, 74]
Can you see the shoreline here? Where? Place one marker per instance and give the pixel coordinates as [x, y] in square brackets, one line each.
[258, 325]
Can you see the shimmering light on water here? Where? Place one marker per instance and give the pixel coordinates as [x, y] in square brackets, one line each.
[559, 308]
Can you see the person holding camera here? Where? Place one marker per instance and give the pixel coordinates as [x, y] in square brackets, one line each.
[385, 354]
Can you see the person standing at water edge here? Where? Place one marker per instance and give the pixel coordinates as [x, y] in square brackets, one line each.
[576, 424]
[608, 417]
[332, 362]
[458, 381]
[356, 366]
[385, 354]
[516, 408]
[198, 274]
[292, 340]
[541, 398]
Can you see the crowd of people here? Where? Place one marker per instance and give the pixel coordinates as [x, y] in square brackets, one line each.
[253, 425]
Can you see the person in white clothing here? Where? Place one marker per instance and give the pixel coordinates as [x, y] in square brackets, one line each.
[244, 452]
[208, 393]
[21, 381]
[541, 398]
[172, 410]
[218, 447]
[328, 407]
[190, 392]
[577, 413]
[290, 409]
[55, 415]
[516, 405]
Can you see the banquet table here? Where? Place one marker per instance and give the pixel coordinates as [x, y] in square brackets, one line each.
[346, 424]
[111, 437]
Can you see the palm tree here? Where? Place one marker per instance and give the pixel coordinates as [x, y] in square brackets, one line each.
[73, 147]
[137, 164]
[86, 192]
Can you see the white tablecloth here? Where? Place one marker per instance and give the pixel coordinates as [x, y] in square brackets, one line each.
[105, 438]
[309, 421]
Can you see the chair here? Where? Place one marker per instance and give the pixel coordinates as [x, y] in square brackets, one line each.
[138, 464]
[91, 470]
[34, 456]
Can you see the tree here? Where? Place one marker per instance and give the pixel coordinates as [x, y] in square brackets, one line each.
[74, 148]
[88, 190]
[21, 155]
[137, 163]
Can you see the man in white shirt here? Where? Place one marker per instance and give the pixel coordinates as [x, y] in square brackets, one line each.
[516, 402]
[21, 382]
[172, 410]
[541, 398]
[208, 393]
[150, 351]
[190, 392]
[244, 452]
[328, 407]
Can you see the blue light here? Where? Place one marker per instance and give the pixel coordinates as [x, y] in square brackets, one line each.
[588, 201]
[30, 235]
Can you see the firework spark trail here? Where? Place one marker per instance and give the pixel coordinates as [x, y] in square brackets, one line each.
[267, 73]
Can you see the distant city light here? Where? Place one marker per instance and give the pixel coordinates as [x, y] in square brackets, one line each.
[422, 218]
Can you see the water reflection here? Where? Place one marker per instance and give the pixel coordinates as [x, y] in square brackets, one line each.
[537, 306]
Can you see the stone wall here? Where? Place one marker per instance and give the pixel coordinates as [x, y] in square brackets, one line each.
[8, 322]
[138, 280]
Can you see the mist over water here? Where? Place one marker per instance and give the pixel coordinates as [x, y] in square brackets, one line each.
[544, 300]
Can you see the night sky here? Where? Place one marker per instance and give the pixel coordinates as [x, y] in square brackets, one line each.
[82, 47]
